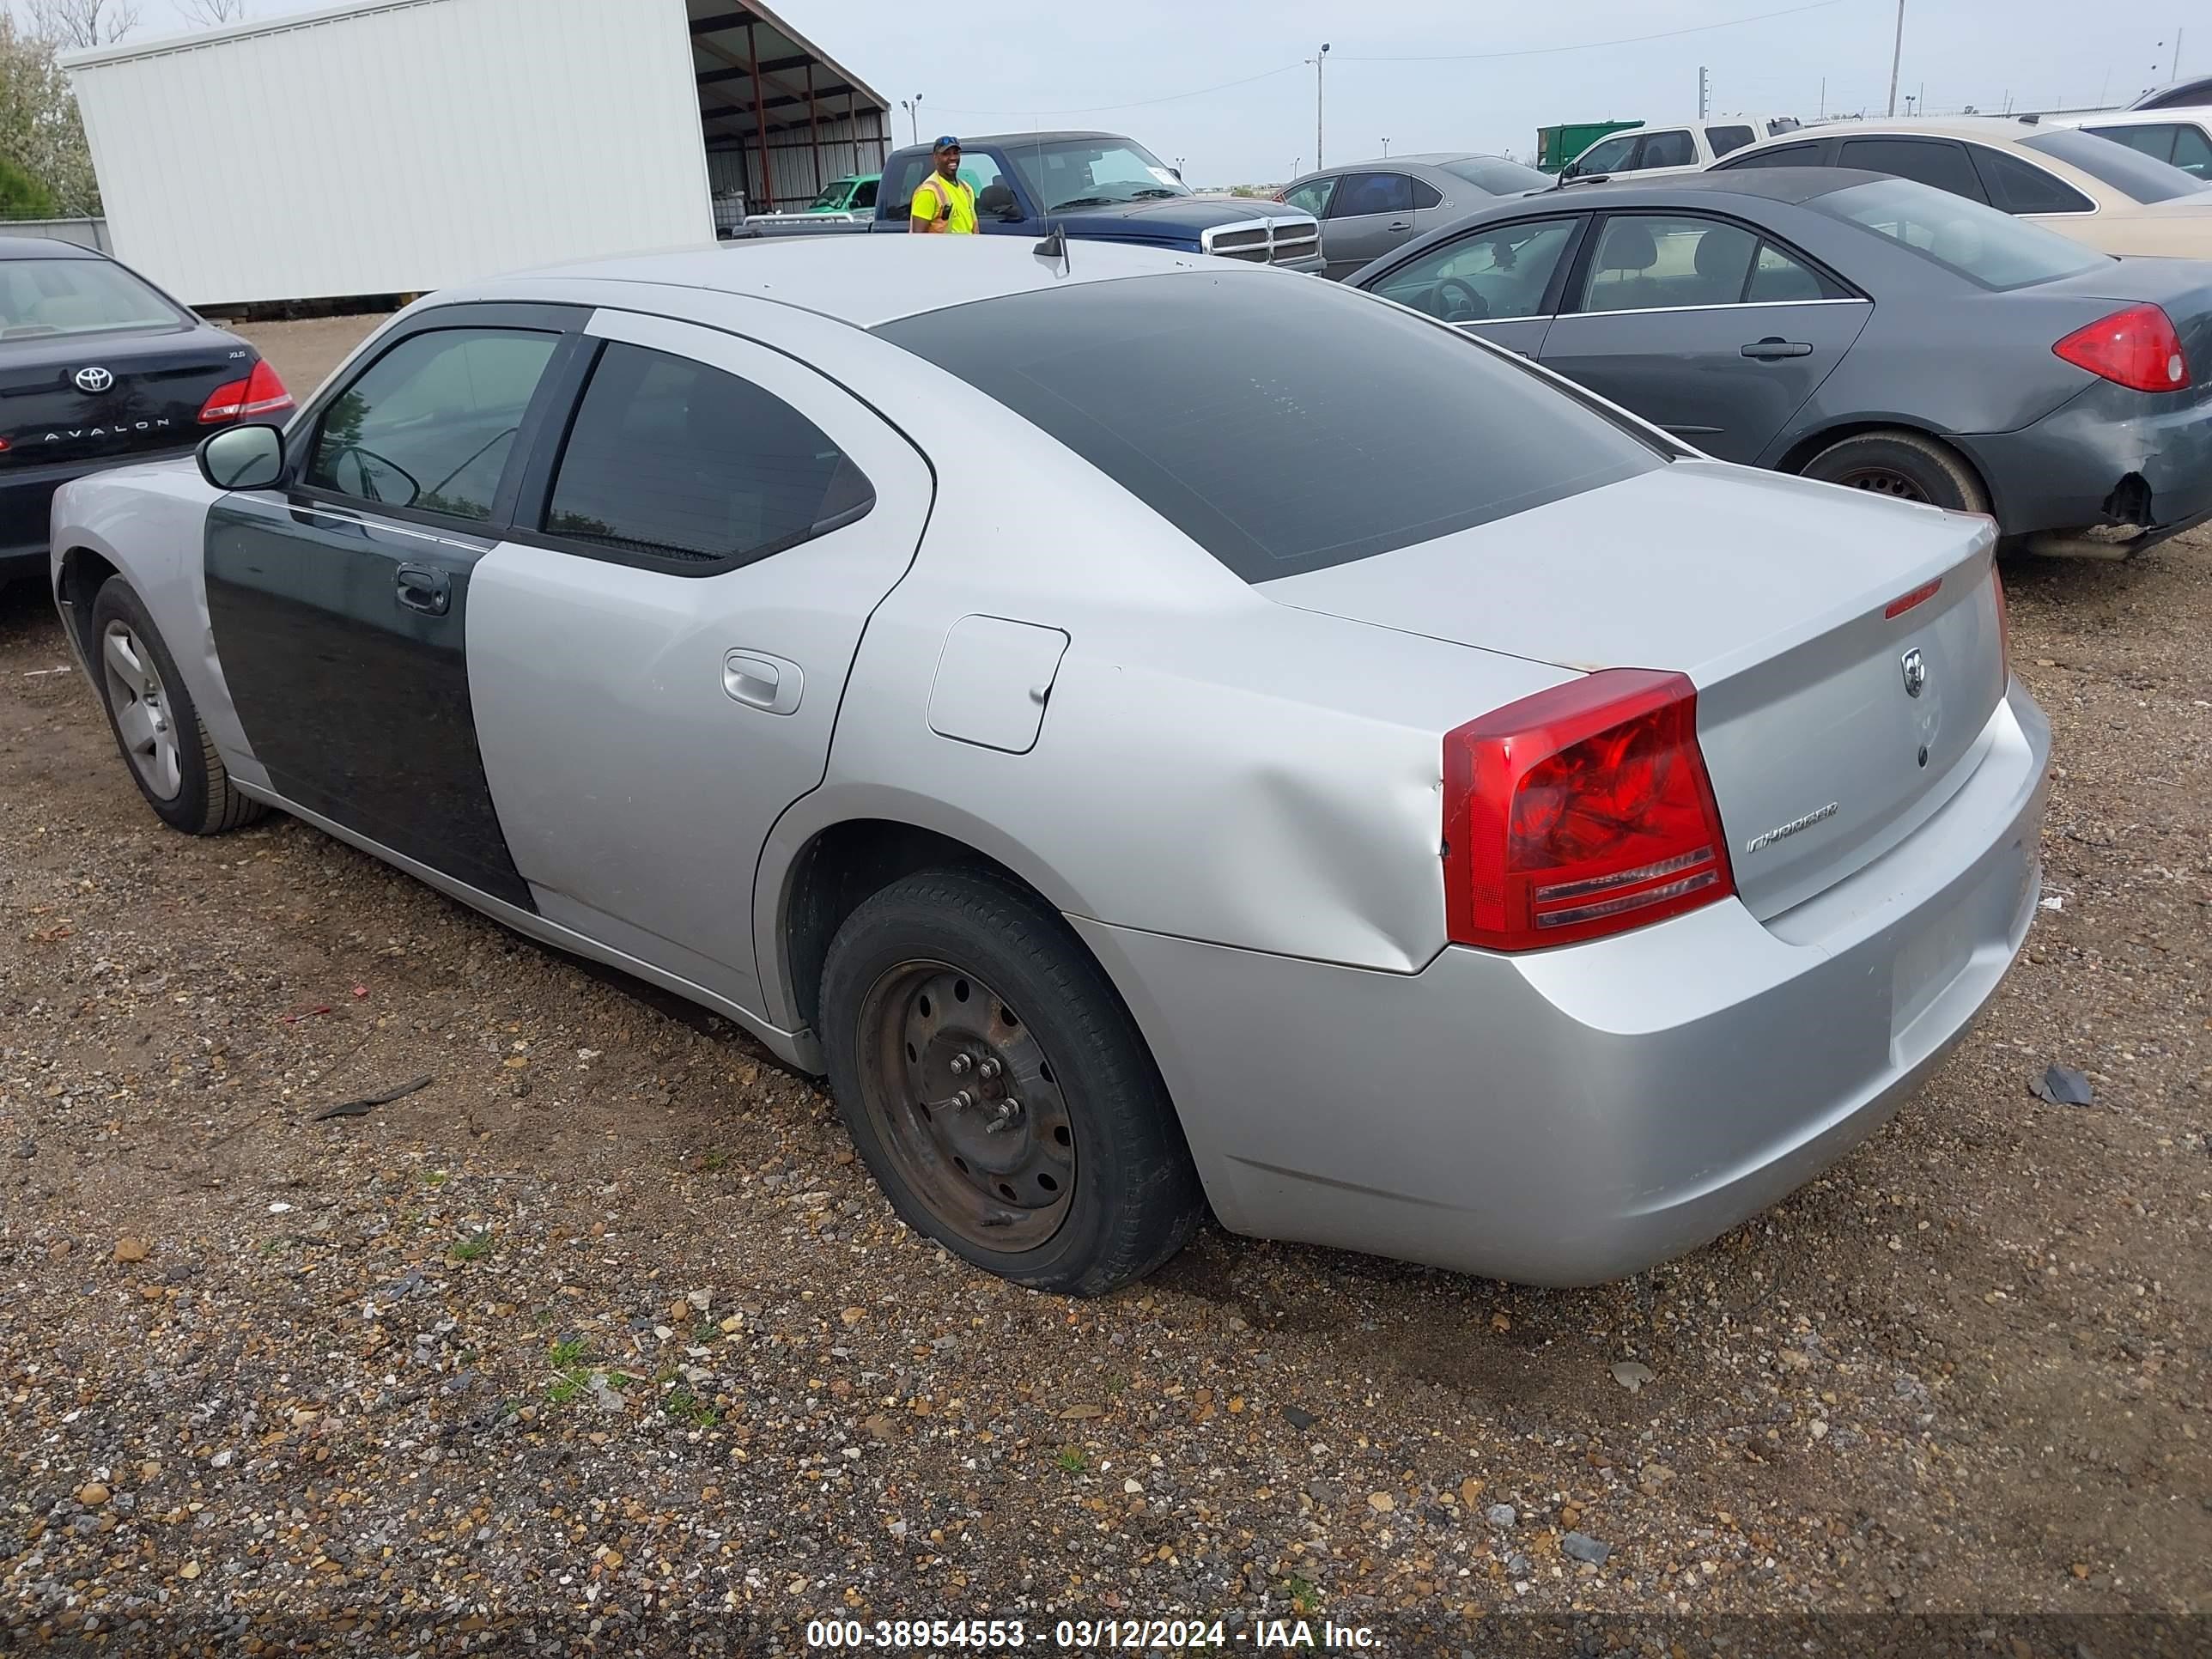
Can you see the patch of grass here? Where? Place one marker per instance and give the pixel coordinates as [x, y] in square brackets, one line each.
[567, 1385]
[1073, 1460]
[705, 1332]
[1115, 1382]
[435, 1177]
[1304, 1598]
[715, 1160]
[563, 1355]
[688, 1408]
[620, 1382]
[274, 1246]
[470, 1249]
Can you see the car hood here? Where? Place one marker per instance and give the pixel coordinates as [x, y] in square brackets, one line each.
[1193, 213]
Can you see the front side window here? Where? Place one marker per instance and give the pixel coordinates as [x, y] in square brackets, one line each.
[1985, 246]
[1372, 192]
[1607, 155]
[1311, 197]
[1653, 261]
[1072, 173]
[1491, 276]
[677, 465]
[1378, 431]
[2018, 186]
[429, 425]
[1936, 162]
[40, 297]
[2192, 152]
[1725, 139]
[865, 196]
[1675, 148]
[2134, 175]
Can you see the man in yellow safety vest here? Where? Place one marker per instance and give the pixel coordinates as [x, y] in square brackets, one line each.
[943, 204]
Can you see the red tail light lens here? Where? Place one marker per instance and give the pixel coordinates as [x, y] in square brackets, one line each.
[2137, 348]
[259, 393]
[1582, 810]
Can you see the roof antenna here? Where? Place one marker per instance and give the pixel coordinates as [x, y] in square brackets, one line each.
[1055, 248]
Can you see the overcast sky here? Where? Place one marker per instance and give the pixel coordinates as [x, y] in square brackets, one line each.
[982, 65]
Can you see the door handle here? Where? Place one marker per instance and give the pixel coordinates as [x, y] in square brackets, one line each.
[1773, 347]
[425, 588]
[1400, 224]
[760, 681]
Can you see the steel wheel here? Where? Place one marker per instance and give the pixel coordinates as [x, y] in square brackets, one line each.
[141, 705]
[963, 1098]
[1882, 481]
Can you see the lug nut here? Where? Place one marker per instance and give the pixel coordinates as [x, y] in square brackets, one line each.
[960, 1064]
[988, 1070]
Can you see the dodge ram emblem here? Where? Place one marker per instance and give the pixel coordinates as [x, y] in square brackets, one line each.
[1915, 671]
[94, 379]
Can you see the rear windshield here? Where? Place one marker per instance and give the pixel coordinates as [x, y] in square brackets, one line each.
[43, 297]
[2131, 172]
[1979, 243]
[1498, 175]
[1283, 424]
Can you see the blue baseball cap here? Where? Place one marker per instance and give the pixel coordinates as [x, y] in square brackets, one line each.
[946, 141]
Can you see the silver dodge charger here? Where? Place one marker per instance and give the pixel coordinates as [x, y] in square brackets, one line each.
[1158, 733]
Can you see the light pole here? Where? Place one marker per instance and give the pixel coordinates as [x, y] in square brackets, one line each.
[1896, 56]
[1386, 150]
[912, 108]
[1318, 59]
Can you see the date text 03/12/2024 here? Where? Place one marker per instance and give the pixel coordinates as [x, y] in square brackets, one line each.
[1171, 1635]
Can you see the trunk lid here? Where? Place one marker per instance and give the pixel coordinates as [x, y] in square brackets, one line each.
[1770, 593]
[150, 400]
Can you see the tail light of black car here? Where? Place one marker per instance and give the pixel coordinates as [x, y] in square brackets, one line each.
[259, 393]
[1582, 810]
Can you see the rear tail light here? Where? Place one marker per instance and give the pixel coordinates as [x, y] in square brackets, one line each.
[259, 393]
[1582, 811]
[2136, 348]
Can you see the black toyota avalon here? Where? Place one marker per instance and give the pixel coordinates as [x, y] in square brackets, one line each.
[98, 369]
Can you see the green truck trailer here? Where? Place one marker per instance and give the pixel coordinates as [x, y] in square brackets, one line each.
[1556, 146]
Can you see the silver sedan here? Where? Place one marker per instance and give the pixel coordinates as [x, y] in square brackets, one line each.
[1158, 733]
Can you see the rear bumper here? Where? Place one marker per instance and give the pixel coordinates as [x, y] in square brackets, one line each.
[1573, 1116]
[2110, 457]
[27, 501]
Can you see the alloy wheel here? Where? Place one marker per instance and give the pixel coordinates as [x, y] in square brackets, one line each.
[1883, 481]
[963, 1099]
[141, 705]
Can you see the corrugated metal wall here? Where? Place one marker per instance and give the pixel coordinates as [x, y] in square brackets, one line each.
[849, 144]
[399, 147]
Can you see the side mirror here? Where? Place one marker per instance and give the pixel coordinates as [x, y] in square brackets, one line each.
[1572, 170]
[243, 457]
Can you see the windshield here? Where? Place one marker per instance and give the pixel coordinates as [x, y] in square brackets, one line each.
[2139, 177]
[1496, 175]
[833, 195]
[76, 296]
[1068, 172]
[1979, 243]
[1282, 426]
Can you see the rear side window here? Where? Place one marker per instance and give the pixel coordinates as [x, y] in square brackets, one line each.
[1936, 162]
[1426, 195]
[2019, 186]
[1980, 243]
[1725, 139]
[1282, 426]
[429, 425]
[1496, 175]
[1371, 193]
[674, 464]
[2132, 173]
[1674, 148]
[1782, 155]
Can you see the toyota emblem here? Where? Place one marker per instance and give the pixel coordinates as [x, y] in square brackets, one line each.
[94, 379]
[1915, 671]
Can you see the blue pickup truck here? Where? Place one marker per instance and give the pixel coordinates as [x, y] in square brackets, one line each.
[1097, 186]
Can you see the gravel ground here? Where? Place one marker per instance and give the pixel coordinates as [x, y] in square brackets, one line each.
[601, 1337]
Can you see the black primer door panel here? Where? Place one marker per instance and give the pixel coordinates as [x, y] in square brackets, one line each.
[352, 687]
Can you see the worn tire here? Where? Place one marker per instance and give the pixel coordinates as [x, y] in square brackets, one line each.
[1938, 472]
[1136, 1196]
[207, 804]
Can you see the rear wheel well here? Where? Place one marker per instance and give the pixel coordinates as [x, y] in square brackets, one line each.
[844, 866]
[1802, 452]
[84, 573]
